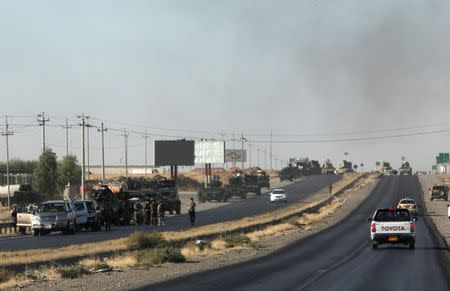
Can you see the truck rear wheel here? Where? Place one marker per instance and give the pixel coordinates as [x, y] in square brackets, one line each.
[374, 245]
[412, 245]
[35, 232]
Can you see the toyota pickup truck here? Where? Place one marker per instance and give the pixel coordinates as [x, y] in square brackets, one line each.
[392, 226]
[55, 215]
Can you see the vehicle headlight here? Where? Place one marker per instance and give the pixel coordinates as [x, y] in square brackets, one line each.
[61, 217]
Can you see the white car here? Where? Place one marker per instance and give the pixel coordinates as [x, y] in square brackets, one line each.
[278, 195]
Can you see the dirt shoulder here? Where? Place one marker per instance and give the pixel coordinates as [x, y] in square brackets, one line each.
[436, 209]
[264, 242]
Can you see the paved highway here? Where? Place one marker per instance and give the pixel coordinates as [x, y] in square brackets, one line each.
[339, 258]
[251, 206]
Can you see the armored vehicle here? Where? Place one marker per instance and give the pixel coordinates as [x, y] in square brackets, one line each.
[214, 191]
[345, 167]
[236, 187]
[166, 190]
[385, 168]
[286, 174]
[405, 169]
[327, 168]
[122, 208]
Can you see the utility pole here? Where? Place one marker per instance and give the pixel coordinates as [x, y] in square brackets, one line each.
[250, 156]
[42, 120]
[242, 150]
[125, 135]
[234, 162]
[88, 125]
[7, 133]
[67, 136]
[259, 161]
[276, 163]
[146, 136]
[83, 159]
[270, 149]
[265, 159]
[102, 130]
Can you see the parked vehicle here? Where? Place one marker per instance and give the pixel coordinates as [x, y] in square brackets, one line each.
[439, 192]
[88, 215]
[57, 215]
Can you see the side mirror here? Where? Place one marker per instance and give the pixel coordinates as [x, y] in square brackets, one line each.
[415, 219]
[369, 219]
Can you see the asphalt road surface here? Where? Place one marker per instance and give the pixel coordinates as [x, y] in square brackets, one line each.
[248, 207]
[339, 258]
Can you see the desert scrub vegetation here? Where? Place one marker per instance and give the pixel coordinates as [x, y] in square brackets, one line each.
[236, 240]
[72, 272]
[139, 241]
[158, 256]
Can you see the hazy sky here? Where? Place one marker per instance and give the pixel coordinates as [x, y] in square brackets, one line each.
[308, 70]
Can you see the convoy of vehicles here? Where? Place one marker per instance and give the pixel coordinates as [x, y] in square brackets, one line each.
[392, 226]
[439, 192]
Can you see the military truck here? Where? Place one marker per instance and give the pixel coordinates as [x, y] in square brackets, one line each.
[166, 190]
[328, 168]
[286, 174]
[405, 169]
[236, 187]
[345, 167]
[314, 168]
[214, 191]
[252, 184]
[121, 206]
[385, 168]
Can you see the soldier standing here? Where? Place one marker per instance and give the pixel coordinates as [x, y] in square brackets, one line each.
[108, 211]
[147, 212]
[137, 209]
[14, 217]
[330, 188]
[191, 209]
[154, 213]
[161, 213]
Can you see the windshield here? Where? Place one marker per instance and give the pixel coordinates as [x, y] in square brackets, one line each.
[407, 201]
[392, 215]
[52, 207]
[78, 206]
[278, 192]
[439, 188]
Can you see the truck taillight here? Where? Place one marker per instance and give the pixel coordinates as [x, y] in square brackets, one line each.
[374, 227]
[411, 227]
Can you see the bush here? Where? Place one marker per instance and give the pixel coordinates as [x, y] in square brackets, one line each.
[139, 241]
[159, 256]
[237, 239]
[5, 275]
[72, 272]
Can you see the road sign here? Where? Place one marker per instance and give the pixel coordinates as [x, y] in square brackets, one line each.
[443, 158]
[434, 167]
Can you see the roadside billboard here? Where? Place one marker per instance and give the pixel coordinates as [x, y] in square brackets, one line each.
[235, 156]
[209, 152]
[174, 153]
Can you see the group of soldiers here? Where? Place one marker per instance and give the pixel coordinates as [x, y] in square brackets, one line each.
[151, 212]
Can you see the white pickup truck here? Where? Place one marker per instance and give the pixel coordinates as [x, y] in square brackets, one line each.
[392, 226]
